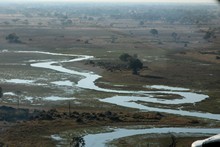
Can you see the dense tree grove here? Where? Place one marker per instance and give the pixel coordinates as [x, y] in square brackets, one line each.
[133, 62]
[13, 38]
[136, 65]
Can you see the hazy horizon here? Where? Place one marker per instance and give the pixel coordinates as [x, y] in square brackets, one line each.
[118, 1]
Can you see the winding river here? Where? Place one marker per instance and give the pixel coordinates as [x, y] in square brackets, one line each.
[88, 82]
[99, 140]
[89, 78]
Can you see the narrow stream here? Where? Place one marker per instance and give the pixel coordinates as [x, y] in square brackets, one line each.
[99, 140]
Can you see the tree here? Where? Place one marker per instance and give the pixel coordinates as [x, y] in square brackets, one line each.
[173, 138]
[113, 39]
[154, 32]
[13, 38]
[133, 62]
[174, 35]
[125, 57]
[141, 23]
[67, 22]
[208, 35]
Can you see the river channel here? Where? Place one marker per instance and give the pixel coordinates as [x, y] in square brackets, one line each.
[89, 78]
[131, 99]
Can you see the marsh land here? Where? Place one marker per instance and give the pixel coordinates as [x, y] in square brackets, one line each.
[63, 79]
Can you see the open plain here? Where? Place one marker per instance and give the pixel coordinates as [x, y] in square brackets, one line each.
[62, 78]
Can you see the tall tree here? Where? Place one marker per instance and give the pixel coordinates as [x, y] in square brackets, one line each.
[133, 62]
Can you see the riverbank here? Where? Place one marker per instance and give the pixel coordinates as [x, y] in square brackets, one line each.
[59, 121]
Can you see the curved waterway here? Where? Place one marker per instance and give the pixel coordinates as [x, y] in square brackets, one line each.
[133, 101]
[100, 140]
[89, 78]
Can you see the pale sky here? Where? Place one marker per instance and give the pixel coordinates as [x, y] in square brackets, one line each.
[160, 1]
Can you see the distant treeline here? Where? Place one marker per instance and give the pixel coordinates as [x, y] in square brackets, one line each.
[188, 14]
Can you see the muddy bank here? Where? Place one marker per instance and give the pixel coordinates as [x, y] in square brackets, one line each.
[57, 121]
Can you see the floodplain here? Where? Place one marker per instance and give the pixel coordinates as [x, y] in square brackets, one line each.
[63, 80]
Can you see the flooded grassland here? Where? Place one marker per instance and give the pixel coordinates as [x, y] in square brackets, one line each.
[65, 77]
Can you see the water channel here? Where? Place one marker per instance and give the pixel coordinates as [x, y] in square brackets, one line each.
[89, 78]
[88, 82]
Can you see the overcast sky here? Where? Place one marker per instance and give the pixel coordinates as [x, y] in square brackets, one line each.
[166, 1]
